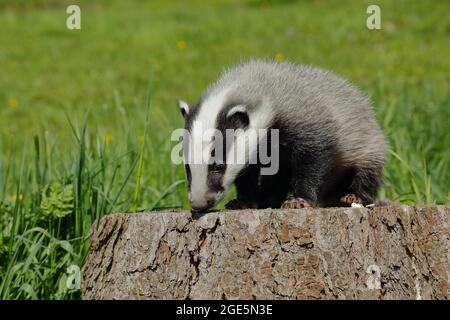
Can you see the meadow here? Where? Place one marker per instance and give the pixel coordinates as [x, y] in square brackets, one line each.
[86, 115]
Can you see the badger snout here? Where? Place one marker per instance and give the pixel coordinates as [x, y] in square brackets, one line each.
[207, 201]
[202, 205]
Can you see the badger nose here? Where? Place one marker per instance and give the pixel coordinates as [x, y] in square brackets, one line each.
[202, 204]
[197, 207]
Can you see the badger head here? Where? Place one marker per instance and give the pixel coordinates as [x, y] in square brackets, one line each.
[214, 128]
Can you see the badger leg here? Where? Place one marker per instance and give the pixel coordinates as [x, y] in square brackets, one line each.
[274, 189]
[349, 199]
[363, 186]
[356, 185]
[247, 190]
[295, 203]
[309, 170]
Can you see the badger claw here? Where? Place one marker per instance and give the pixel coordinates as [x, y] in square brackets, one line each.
[241, 204]
[295, 203]
[349, 199]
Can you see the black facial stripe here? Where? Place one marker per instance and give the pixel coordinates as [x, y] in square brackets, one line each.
[215, 177]
[234, 122]
[239, 120]
[223, 122]
[216, 172]
[194, 111]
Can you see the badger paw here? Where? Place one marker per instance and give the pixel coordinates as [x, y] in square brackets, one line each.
[349, 199]
[295, 203]
[241, 204]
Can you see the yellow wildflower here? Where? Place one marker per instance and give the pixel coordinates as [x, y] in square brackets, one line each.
[107, 138]
[181, 44]
[279, 56]
[141, 138]
[12, 103]
[15, 197]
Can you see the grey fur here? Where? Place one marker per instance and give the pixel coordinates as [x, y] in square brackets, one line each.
[305, 94]
[322, 117]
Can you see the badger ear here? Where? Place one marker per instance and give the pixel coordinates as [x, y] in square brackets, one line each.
[184, 107]
[238, 116]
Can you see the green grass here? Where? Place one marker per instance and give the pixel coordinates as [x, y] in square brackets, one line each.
[81, 138]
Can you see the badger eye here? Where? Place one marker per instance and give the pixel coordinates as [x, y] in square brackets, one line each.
[218, 167]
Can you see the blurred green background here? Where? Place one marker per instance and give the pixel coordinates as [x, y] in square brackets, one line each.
[78, 139]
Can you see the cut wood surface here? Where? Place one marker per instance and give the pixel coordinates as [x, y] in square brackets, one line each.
[394, 252]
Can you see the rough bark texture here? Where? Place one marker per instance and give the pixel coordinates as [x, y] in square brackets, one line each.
[395, 252]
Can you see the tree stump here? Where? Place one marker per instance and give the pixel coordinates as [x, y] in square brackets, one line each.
[394, 252]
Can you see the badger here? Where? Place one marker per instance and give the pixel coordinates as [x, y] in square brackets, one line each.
[330, 149]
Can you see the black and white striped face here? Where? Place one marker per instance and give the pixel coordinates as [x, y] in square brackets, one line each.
[211, 161]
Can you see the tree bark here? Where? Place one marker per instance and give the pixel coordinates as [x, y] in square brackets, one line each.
[395, 252]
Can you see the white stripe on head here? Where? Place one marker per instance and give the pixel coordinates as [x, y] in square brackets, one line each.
[202, 132]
